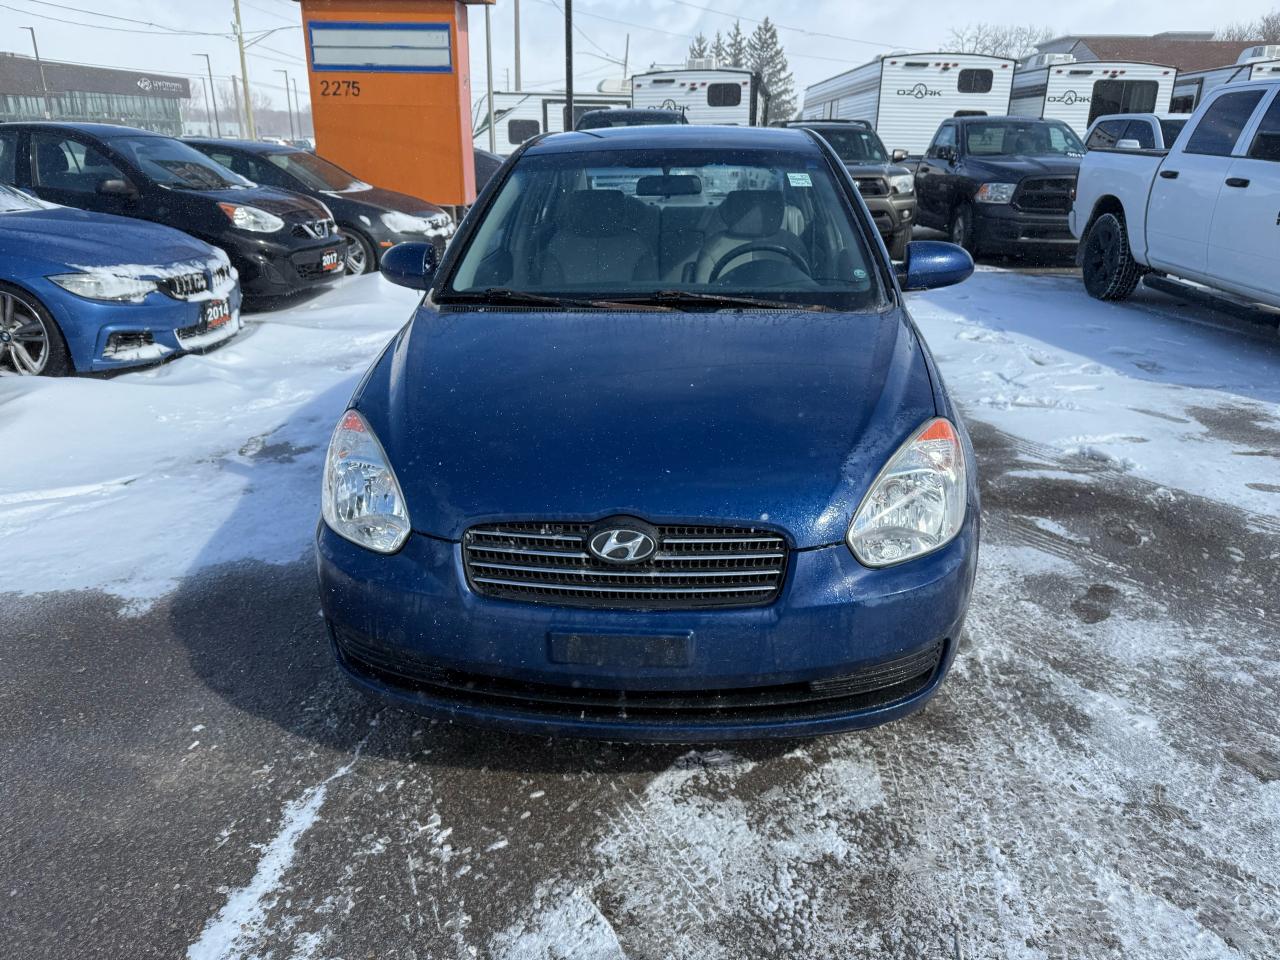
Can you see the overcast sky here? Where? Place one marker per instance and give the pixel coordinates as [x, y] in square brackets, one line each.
[821, 37]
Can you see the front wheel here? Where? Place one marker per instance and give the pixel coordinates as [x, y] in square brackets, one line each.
[960, 229]
[31, 345]
[1110, 271]
[360, 257]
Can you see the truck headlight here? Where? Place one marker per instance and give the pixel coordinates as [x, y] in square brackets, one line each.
[917, 503]
[361, 500]
[105, 286]
[995, 192]
[902, 183]
[251, 218]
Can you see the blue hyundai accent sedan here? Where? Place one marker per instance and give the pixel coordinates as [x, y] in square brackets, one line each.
[661, 455]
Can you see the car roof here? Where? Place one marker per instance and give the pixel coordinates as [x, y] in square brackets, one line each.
[249, 146]
[103, 131]
[677, 136]
[1004, 119]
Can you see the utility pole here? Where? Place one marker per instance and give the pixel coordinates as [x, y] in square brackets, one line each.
[626, 58]
[213, 94]
[235, 89]
[44, 86]
[517, 6]
[297, 104]
[488, 67]
[293, 133]
[204, 87]
[568, 64]
[244, 72]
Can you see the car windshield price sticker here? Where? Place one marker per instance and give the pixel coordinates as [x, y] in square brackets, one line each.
[799, 180]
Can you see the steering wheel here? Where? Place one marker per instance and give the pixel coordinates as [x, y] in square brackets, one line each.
[776, 248]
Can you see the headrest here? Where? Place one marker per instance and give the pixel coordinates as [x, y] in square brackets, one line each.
[752, 213]
[595, 213]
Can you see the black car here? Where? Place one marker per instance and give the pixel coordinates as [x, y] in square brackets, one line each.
[1000, 184]
[887, 188]
[279, 242]
[370, 218]
[626, 117]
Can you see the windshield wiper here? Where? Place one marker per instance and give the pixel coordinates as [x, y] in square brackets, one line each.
[671, 298]
[527, 298]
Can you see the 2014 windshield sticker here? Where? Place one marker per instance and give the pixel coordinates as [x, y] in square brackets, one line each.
[799, 180]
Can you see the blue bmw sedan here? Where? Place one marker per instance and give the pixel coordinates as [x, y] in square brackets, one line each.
[661, 455]
[85, 292]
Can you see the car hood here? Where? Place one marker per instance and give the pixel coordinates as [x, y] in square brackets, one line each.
[769, 419]
[70, 236]
[877, 169]
[1031, 166]
[283, 203]
[389, 200]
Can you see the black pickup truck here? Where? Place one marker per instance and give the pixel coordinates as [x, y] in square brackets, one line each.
[1000, 184]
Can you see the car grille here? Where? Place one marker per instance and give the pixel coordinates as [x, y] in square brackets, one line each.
[1044, 194]
[187, 285]
[872, 186]
[315, 229]
[694, 566]
[867, 689]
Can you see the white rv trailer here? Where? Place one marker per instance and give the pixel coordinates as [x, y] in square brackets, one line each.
[521, 116]
[1056, 86]
[906, 96]
[705, 93]
[1257, 63]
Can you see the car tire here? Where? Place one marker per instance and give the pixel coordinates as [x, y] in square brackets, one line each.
[1110, 271]
[25, 325]
[960, 229]
[898, 245]
[360, 257]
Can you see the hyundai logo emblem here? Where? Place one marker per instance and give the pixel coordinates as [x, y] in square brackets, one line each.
[622, 545]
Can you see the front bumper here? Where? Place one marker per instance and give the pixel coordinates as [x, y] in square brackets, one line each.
[1002, 226]
[892, 215]
[409, 631]
[272, 268]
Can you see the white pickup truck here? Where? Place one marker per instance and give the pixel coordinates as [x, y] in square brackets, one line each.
[1208, 210]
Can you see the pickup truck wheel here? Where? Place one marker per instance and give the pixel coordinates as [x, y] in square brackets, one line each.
[960, 229]
[1110, 272]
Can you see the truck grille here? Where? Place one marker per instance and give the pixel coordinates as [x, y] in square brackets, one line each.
[315, 229]
[694, 566]
[872, 186]
[1044, 194]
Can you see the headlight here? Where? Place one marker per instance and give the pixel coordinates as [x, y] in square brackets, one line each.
[105, 286]
[251, 218]
[362, 500]
[917, 503]
[902, 183]
[995, 192]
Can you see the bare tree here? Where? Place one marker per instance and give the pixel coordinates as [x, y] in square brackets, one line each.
[1265, 29]
[998, 40]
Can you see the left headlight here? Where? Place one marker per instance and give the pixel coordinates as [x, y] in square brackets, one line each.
[996, 192]
[105, 286]
[251, 219]
[902, 183]
[361, 499]
[917, 503]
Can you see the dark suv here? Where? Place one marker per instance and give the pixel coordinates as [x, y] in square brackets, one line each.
[279, 242]
[887, 188]
[1000, 184]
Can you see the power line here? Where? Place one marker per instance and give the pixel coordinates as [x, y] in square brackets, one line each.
[269, 13]
[161, 28]
[783, 26]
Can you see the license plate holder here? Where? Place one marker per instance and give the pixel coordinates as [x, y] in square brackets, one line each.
[621, 650]
[215, 314]
[330, 260]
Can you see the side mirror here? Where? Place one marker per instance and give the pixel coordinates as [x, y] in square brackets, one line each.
[947, 153]
[1128, 144]
[899, 155]
[930, 264]
[116, 187]
[411, 265]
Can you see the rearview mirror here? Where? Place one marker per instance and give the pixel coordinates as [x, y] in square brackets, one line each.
[116, 187]
[671, 185]
[899, 155]
[930, 264]
[411, 265]
[1128, 144]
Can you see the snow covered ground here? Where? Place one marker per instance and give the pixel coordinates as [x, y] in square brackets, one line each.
[1099, 777]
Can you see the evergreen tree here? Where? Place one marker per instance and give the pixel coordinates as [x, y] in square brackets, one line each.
[698, 49]
[719, 50]
[736, 48]
[766, 58]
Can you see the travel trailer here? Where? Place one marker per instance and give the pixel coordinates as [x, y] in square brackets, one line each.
[1257, 63]
[1056, 86]
[521, 116]
[906, 96]
[705, 93]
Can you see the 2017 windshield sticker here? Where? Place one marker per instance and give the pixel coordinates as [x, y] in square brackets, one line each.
[799, 180]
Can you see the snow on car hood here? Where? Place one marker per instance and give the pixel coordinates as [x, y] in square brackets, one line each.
[66, 235]
[222, 286]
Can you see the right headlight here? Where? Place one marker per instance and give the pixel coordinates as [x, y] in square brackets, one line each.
[996, 192]
[104, 285]
[917, 503]
[362, 500]
[251, 218]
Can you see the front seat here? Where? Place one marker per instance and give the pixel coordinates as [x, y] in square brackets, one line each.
[596, 242]
[52, 165]
[750, 218]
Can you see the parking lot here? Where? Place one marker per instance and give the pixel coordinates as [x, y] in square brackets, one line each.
[187, 775]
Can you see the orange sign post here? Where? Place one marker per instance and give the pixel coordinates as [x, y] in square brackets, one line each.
[391, 92]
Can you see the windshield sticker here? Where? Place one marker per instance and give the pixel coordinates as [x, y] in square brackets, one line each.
[799, 180]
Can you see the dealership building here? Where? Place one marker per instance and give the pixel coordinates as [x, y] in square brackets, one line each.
[34, 90]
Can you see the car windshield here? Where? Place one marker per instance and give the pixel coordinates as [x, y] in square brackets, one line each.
[172, 163]
[670, 226]
[627, 118]
[1034, 138]
[316, 173]
[855, 145]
